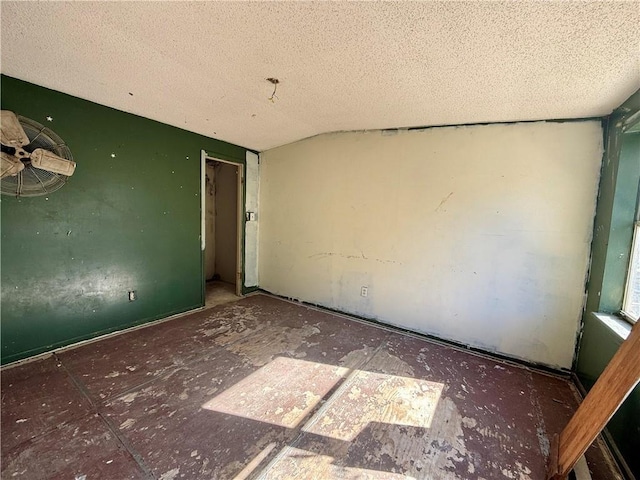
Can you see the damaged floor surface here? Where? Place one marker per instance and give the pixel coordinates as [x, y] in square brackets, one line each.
[264, 388]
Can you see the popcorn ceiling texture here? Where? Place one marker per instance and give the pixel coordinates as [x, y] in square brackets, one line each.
[341, 66]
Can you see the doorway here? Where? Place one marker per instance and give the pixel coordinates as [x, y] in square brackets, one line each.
[222, 231]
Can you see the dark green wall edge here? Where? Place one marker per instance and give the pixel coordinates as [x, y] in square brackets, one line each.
[128, 219]
[611, 246]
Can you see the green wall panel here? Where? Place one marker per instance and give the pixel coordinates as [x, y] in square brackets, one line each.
[128, 219]
[599, 345]
[612, 238]
[621, 224]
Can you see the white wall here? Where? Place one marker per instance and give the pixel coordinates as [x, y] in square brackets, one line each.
[252, 185]
[477, 234]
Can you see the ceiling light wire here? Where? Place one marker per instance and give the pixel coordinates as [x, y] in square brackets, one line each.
[275, 83]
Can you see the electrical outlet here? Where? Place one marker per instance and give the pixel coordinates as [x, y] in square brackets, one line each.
[364, 291]
[133, 296]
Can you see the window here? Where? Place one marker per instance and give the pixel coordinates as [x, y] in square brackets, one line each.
[631, 303]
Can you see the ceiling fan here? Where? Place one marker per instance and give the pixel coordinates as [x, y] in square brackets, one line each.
[35, 161]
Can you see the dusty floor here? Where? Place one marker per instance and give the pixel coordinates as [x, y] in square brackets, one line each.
[217, 293]
[263, 388]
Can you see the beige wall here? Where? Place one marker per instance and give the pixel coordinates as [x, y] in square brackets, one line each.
[226, 228]
[210, 223]
[477, 234]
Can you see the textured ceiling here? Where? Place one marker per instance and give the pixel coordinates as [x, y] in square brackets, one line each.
[342, 66]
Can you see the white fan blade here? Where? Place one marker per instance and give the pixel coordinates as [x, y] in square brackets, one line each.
[51, 162]
[11, 132]
[10, 165]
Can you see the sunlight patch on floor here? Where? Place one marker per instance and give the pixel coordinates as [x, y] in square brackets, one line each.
[297, 464]
[253, 464]
[282, 392]
[376, 398]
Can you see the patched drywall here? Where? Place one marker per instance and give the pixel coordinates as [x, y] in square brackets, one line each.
[476, 234]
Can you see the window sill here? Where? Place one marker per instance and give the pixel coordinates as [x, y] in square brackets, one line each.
[628, 317]
[617, 325]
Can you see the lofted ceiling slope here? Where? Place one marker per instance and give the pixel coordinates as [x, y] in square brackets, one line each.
[202, 66]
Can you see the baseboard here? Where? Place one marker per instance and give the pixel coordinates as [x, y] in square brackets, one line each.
[99, 336]
[540, 368]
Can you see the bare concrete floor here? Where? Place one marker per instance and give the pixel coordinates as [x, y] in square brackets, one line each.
[217, 293]
[263, 388]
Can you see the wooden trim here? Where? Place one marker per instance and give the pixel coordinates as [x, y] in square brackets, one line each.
[612, 388]
[239, 236]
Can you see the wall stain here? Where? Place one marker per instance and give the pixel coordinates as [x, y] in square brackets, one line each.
[444, 200]
[351, 257]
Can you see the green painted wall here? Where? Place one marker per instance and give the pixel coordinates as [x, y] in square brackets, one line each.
[613, 230]
[613, 234]
[129, 222]
[622, 221]
[599, 345]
